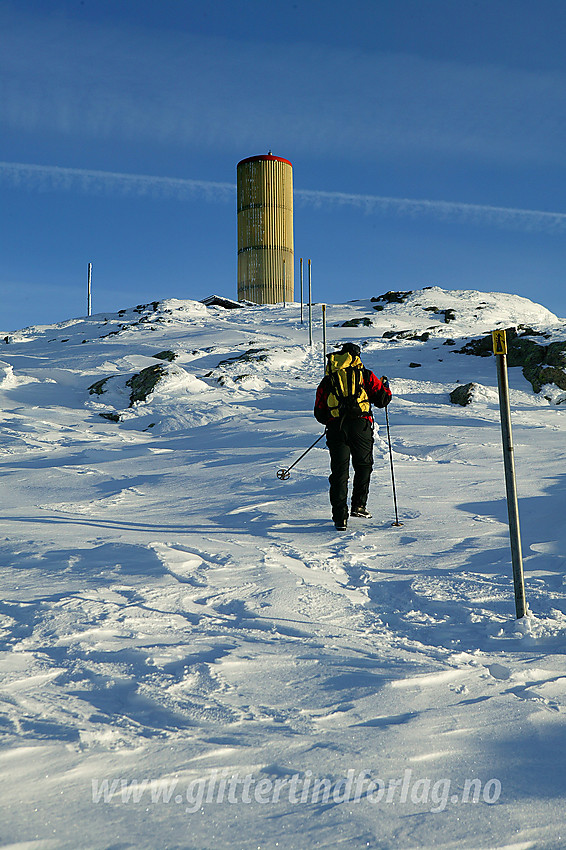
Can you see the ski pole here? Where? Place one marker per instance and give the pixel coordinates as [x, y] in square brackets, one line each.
[396, 523]
[284, 474]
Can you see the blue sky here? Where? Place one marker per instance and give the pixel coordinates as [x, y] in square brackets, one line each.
[427, 140]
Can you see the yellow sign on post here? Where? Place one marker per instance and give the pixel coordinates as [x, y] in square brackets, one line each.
[499, 342]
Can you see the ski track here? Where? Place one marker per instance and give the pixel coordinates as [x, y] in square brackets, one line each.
[171, 609]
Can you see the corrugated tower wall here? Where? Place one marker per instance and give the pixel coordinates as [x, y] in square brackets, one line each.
[265, 230]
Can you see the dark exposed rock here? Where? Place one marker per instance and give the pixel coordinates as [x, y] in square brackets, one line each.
[141, 307]
[463, 394]
[396, 334]
[524, 352]
[165, 355]
[525, 330]
[423, 337]
[252, 354]
[542, 364]
[113, 417]
[393, 297]
[355, 323]
[480, 347]
[541, 375]
[447, 315]
[98, 387]
[516, 342]
[143, 384]
[415, 365]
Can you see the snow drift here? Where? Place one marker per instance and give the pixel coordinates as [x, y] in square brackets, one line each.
[188, 646]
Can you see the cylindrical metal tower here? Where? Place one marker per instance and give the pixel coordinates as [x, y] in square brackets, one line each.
[265, 229]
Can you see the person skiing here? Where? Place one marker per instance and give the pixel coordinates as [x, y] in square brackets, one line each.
[343, 405]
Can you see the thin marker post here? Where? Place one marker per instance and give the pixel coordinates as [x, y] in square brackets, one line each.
[301, 279]
[500, 351]
[324, 332]
[310, 306]
[88, 293]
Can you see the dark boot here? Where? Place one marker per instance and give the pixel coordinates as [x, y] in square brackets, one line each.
[362, 512]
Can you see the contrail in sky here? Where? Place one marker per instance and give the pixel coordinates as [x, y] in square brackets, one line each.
[507, 217]
[50, 177]
[53, 177]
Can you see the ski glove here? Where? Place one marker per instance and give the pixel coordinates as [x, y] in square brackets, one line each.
[385, 392]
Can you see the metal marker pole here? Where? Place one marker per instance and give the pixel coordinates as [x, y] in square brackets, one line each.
[301, 278]
[88, 296]
[500, 351]
[284, 284]
[324, 332]
[310, 306]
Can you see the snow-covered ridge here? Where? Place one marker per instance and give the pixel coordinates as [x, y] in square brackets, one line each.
[257, 348]
[467, 312]
[473, 311]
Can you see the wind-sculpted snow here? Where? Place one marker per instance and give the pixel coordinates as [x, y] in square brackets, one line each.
[192, 657]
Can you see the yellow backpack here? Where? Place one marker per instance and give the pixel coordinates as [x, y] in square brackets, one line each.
[347, 396]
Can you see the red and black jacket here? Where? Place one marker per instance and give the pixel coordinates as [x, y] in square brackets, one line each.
[377, 394]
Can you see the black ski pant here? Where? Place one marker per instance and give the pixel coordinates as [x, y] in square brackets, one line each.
[349, 438]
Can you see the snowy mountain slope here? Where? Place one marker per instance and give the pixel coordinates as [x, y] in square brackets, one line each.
[175, 616]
